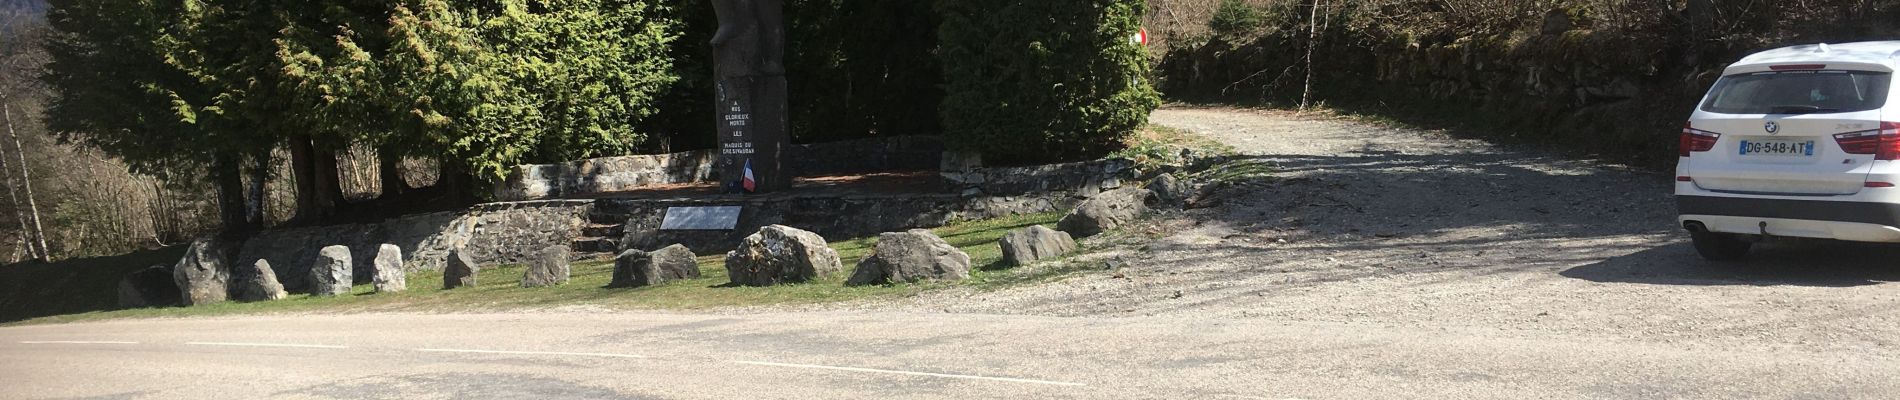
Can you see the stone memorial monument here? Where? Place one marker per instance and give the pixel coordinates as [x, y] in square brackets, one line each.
[749, 52]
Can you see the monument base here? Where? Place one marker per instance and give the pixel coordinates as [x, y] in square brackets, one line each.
[752, 133]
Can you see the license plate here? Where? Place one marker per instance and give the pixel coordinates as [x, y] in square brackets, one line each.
[1781, 148]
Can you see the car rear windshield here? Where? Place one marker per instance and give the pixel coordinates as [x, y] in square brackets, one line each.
[1799, 92]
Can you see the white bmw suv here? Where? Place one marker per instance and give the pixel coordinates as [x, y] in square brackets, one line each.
[1794, 142]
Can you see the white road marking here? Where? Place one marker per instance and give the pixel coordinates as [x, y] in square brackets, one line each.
[930, 374]
[74, 342]
[533, 353]
[301, 346]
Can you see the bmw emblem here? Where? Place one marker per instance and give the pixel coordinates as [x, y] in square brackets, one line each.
[1772, 127]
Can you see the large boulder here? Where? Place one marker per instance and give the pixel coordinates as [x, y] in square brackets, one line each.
[1027, 245]
[390, 277]
[548, 268]
[911, 256]
[677, 262]
[258, 283]
[781, 254]
[1170, 192]
[1106, 211]
[332, 274]
[204, 275]
[459, 270]
[150, 287]
[635, 268]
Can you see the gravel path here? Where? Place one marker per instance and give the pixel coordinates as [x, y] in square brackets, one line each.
[1376, 226]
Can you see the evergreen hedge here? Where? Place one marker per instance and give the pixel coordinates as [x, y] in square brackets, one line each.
[1040, 81]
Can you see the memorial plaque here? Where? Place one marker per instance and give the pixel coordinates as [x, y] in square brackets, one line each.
[722, 218]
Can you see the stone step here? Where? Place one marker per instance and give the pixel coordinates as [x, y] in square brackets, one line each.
[606, 218]
[603, 230]
[595, 244]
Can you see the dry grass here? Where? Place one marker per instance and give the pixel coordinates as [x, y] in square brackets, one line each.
[1156, 145]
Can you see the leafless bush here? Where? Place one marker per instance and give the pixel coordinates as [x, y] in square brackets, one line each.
[360, 169]
[72, 198]
[93, 206]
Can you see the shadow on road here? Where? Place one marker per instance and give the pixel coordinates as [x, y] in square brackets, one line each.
[1790, 262]
[1374, 191]
[32, 290]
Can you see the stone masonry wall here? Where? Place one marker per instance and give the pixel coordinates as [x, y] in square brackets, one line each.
[498, 233]
[612, 174]
[601, 175]
[834, 217]
[967, 174]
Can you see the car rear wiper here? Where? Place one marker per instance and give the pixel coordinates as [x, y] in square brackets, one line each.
[1800, 109]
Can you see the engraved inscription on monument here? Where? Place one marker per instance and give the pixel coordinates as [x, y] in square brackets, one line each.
[750, 90]
[734, 140]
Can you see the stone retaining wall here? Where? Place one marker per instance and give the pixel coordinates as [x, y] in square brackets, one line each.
[834, 217]
[967, 174]
[498, 233]
[584, 178]
[604, 175]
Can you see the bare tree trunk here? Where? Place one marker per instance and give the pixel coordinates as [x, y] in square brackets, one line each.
[319, 191]
[303, 171]
[19, 209]
[227, 173]
[26, 185]
[161, 211]
[389, 171]
[329, 182]
[1312, 40]
[254, 199]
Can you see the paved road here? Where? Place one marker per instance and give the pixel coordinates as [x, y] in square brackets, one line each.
[876, 355]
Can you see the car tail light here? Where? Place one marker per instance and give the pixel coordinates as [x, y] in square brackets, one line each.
[1883, 143]
[1695, 140]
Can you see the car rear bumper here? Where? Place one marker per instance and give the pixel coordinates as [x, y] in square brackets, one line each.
[1816, 210]
[1842, 220]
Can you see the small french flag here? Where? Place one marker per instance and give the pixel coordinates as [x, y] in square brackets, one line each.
[751, 184]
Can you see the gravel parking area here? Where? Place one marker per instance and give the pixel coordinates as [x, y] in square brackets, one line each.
[1370, 225]
[1367, 262]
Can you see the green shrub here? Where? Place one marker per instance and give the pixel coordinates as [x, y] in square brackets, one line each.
[1235, 19]
[1037, 81]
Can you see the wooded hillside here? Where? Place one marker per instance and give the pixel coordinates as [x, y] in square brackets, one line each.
[1613, 78]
